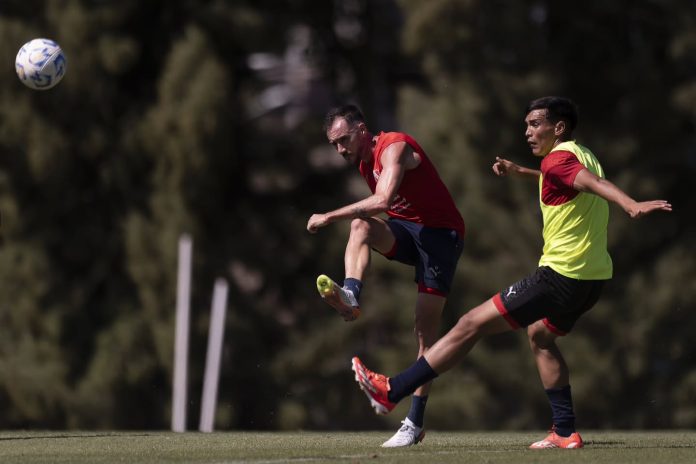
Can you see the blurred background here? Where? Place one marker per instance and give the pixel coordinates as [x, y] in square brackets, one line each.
[205, 117]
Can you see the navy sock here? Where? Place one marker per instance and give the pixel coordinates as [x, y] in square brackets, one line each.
[562, 410]
[354, 285]
[405, 383]
[415, 414]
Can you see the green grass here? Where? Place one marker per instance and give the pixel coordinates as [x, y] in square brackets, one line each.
[350, 447]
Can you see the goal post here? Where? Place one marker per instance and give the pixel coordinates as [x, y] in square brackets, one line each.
[181, 339]
[216, 332]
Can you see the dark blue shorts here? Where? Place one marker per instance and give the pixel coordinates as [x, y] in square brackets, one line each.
[548, 295]
[434, 252]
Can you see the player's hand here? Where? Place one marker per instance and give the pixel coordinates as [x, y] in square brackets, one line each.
[316, 221]
[642, 208]
[503, 167]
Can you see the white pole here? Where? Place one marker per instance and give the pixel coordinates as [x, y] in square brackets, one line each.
[212, 361]
[181, 341]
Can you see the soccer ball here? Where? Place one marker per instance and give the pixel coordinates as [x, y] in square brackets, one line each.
[40, 64]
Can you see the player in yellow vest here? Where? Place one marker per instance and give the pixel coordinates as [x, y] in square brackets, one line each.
[573, 194]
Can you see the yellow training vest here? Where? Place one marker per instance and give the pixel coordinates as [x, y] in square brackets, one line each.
[575, 232]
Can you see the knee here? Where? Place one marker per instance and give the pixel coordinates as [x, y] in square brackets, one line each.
[539, 336]
[428, 316]
[466, 327]
[359, 228]
[426, 327]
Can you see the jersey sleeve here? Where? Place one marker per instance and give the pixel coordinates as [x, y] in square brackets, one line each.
[561, 168]
[388, 138]
[392, 137]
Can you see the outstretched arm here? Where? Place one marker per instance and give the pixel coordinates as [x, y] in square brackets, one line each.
[586, 181]
[503, 167]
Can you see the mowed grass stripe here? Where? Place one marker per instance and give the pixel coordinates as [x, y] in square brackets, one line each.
[29, 447]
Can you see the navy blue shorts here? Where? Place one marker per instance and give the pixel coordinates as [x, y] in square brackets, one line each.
[548, 295]
[434, 252]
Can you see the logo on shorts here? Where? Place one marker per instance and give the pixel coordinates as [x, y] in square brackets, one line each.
[511, 291]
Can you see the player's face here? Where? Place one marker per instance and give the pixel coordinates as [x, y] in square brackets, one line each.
[541, 134]
[346, 139]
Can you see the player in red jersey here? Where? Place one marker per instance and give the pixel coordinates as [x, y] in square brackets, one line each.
[424, 229]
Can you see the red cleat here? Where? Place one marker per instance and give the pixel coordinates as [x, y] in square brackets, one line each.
[375, 386]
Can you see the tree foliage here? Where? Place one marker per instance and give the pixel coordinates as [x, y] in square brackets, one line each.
[205, 118]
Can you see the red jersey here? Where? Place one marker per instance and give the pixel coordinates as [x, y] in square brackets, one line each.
[422, 196]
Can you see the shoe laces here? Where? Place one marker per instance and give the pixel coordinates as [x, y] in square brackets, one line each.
[348, 297]
[406, 427]
[374, 377]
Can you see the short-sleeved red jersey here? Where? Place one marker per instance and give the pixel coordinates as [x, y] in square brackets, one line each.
[559, 169]
[422, 196]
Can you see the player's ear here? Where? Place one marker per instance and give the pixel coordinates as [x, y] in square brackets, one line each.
[560, 128]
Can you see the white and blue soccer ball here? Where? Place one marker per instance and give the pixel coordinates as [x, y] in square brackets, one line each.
[40, 64]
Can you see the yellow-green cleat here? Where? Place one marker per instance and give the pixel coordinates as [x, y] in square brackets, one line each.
[339, 298]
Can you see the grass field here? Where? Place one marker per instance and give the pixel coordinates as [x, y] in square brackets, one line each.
[350, 447]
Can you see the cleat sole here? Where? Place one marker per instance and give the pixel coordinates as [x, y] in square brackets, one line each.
[325, 287]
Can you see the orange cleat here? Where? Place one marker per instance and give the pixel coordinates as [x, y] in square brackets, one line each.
[553, 440]
[375, 386]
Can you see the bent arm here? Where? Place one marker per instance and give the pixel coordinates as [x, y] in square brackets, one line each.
[586, 181]
[368, 207]
[395, 160]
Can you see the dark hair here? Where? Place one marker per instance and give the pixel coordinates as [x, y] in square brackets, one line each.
[350, 113]
[558, 108]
